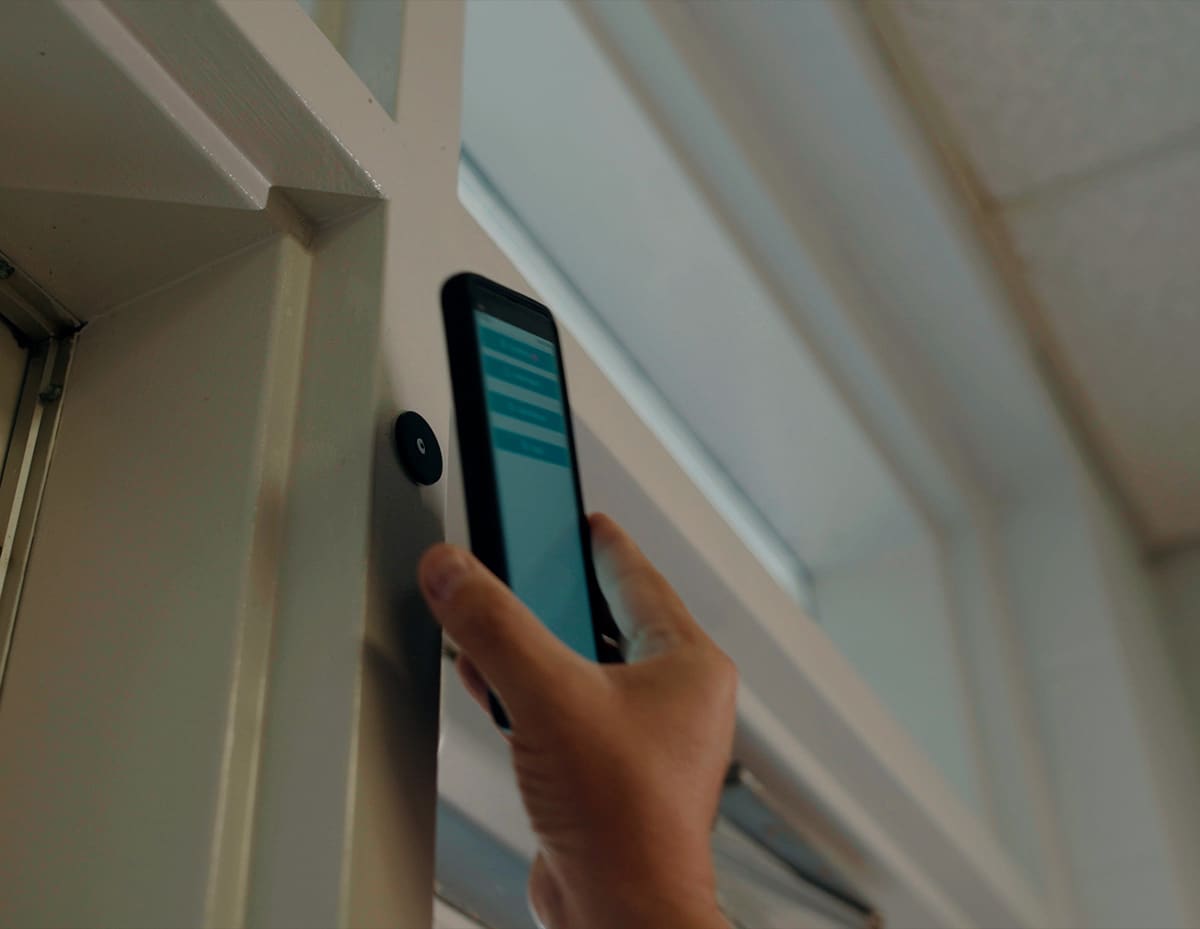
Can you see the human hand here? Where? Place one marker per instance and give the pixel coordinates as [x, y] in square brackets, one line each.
[620, 766]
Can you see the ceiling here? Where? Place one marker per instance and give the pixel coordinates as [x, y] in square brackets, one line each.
[1078, 126]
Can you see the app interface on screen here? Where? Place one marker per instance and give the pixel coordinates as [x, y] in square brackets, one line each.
[535, 483]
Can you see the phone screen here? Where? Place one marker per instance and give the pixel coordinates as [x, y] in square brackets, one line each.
[535, 479]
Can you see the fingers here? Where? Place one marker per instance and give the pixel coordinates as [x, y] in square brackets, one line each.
[505, 643]
[645, 606]
[476, 686]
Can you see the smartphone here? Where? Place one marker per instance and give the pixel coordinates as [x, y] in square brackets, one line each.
[516, 444]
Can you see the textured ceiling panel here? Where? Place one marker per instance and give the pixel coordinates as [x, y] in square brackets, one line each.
[1117, 271]
[1041, 90]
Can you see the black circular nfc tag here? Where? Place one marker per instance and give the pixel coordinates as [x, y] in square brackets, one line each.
[418, 448]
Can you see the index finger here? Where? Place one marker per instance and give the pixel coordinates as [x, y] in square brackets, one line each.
[644, 604]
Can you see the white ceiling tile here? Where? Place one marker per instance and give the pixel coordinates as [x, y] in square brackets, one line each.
[1045, 89]
[1116, 267]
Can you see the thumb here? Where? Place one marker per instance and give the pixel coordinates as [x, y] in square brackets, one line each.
[645, 606]
[511, 648]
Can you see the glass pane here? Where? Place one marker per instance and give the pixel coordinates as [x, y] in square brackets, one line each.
[367, 33]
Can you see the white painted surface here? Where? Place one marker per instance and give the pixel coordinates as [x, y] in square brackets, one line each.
[270, 846]
[830, 737]
[1169, 737]
[888, 616]
[1080, 598]
[114, 705]
[322, 560]
[66, 242]
[995, 669]
[158, 146]
[389, 871]
[1172, 741]
[241, 89]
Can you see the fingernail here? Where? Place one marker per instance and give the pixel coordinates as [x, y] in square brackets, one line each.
[444, 572]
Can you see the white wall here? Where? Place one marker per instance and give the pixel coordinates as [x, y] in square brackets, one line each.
[1169, 736]
[888, 615]
[115, 703]
[212, 715]
[1107, 713]
[1013, 785]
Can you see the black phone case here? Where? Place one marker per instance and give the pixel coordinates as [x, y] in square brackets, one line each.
[461, 295]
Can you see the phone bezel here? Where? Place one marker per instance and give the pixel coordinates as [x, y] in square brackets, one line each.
[462, 295]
